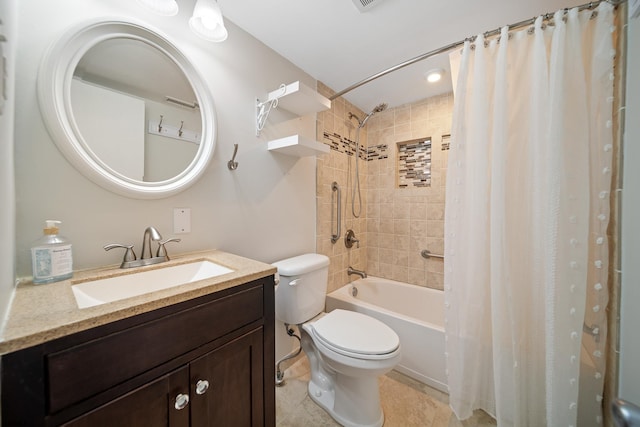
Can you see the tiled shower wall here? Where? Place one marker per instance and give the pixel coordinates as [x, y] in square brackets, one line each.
[395, 223]
[336, 130]
[401, 222]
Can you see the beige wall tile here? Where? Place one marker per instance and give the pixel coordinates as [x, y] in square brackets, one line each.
[417, 276]
[395, 224]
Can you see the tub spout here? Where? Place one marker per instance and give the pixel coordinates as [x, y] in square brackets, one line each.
[360, 273]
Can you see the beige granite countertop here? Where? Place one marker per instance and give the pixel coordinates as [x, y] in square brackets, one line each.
[41, 313]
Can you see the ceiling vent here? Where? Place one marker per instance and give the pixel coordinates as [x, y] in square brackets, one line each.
[364, 5]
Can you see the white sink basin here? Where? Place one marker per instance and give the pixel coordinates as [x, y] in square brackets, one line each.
[101, 291]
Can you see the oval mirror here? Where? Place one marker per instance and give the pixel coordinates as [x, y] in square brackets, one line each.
[127, 108]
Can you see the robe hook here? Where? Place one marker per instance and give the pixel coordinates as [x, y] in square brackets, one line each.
[181, 126]
[232, 164]
[160, 124]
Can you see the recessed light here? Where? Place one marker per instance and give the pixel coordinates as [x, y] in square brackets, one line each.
[434, 75]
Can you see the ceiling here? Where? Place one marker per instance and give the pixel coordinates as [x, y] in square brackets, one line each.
[125, 65]
[337, 44]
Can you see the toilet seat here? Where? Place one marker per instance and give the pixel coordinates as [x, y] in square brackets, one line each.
[355, 335]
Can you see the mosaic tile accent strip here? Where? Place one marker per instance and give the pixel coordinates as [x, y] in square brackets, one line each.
[414, 163]
[446, 139]
[377, 152]
[344, 145]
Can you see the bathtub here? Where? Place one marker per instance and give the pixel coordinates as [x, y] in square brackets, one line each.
[414, 312]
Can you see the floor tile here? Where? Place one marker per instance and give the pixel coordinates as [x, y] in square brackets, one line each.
[405, 402]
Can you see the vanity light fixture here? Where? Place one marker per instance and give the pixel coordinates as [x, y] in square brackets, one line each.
[161, 7]
[207, 21]
[434, 75]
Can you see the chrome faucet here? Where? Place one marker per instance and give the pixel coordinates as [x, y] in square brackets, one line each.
[149, 234]
[360, 273]
[147, 257]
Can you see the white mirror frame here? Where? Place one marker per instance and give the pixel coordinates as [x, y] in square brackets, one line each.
[54, 96]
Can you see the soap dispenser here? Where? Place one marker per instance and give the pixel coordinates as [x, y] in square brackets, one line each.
[51, 257]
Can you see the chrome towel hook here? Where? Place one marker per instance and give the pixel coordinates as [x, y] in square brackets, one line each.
[232, 164]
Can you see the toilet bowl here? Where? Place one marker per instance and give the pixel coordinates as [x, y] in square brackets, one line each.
[344, 376]
[347, 351]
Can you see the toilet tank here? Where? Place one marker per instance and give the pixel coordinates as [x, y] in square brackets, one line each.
[301, 293]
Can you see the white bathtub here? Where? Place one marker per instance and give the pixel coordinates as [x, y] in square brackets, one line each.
[414, 312]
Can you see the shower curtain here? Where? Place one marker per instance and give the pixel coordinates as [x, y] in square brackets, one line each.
[527, 208]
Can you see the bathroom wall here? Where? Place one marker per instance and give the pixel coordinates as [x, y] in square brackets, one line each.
[264, 210]
[8, 17]
[396, 223]
[629, 374]
[335, 129]
[401, 222]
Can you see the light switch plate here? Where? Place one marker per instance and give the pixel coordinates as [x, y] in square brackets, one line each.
[181, 220]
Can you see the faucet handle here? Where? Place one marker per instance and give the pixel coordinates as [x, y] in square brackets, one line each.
[350, 239]
[162, 251]
[129, 255]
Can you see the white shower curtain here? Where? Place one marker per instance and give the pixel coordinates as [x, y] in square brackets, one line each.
[527, 208]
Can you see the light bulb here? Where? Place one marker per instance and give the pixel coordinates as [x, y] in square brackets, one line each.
[433, 76]
[209, 22]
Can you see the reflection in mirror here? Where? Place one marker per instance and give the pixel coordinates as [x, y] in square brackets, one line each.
[136, 110]
[101, 74]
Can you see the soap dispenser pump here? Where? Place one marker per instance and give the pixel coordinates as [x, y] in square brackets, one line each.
[51, 256]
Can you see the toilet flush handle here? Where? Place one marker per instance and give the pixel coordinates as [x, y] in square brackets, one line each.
[294, 282]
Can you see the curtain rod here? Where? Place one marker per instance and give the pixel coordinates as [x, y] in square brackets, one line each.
[460, 43]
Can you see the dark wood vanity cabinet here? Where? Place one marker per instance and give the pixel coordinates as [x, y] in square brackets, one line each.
[204, 362]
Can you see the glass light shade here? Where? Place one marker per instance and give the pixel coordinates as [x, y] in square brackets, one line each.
[207, 21]
[161, 7]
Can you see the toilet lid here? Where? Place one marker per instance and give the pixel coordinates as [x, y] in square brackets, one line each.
[355, 333]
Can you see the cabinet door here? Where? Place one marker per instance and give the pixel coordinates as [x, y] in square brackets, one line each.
[153, 404]
[227, 385]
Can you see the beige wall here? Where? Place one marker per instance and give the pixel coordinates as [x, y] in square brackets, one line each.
[331, 167]
[401, 222]
[396, 223]
[8, 17]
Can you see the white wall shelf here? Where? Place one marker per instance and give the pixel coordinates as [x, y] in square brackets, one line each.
[299, 99]
[297, 146]
[296, 98]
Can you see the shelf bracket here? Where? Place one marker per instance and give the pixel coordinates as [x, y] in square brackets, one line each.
[264, 108]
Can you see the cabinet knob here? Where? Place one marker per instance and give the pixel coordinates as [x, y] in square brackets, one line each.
[202, 386]
[182, 400]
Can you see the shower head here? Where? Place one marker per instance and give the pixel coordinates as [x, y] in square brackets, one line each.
[377, 109]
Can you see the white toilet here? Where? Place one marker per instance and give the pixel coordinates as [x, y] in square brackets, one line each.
[347, 351]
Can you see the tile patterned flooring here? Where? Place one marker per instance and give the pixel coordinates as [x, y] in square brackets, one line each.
[405, 402]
